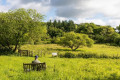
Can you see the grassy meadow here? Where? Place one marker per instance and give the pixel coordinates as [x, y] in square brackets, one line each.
[11, 67]
[99, 49]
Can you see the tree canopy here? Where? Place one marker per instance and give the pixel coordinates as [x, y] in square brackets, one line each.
[17, 26]
[75, 40]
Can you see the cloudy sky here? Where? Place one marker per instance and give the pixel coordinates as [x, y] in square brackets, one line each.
[102, 12]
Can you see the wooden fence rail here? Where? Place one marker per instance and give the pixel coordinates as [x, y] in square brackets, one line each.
[25, 52]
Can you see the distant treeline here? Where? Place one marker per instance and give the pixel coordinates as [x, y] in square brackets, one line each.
[100, 34]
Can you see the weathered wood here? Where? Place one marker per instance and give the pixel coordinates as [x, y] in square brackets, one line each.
[34, 66]
[25, 52]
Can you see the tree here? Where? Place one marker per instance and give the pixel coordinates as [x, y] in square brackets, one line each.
[54, 32]
[118, 28]
[86, 28]
[55, 23]
[17, 26]
[75, 40]
[105, 34]
[49, 24]
[101, 34]
[70, 26]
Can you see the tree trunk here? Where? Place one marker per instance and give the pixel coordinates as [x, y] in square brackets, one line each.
[75, 48]
[71, 47]
[17, 41]
[15, 48]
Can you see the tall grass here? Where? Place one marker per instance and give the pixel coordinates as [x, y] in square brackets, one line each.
[97, 51]
[11, 68]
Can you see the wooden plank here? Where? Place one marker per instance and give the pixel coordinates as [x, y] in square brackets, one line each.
[33, 63]
[34, 66]
[25, 52]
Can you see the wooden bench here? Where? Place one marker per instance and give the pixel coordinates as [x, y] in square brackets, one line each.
[34, 66]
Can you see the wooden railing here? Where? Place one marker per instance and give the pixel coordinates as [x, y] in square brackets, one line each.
[25, 52]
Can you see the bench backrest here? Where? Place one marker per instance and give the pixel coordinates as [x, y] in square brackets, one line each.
[34, 66]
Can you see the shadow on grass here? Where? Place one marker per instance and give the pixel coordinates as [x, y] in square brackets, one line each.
[69, 50]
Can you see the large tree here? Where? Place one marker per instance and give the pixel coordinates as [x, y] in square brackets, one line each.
[17, 26]
[75, 40]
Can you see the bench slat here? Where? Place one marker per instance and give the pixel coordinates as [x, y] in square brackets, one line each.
[34, 66]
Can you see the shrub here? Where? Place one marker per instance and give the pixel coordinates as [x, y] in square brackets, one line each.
[87, 55]
[69, 55]
[61, 55]
[104, 56]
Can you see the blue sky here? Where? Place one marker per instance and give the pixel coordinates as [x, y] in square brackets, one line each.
[3, 2]
[101, 12]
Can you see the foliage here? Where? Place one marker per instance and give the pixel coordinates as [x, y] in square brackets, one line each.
[69, 55]
[75, 40]
[118, 29]
[101, 34]
[54, 32]
[86, 28]
[86, 55]
[66, 26]
[106, 33]
[17, 26]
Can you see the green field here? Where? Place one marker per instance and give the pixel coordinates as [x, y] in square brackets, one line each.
[96, 49]
[11, 67]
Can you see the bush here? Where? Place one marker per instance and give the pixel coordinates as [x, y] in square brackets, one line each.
[69, 55]
[87, 55]
[61, 55]
[104, 56]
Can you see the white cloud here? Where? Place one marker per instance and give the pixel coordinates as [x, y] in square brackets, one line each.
[4, 8]
[114, 22]
[58, 18]
[40, 5]
[83, 9]
[13, 2]
[96, 21]
[72, 9]
[107, 7]
[86, 8]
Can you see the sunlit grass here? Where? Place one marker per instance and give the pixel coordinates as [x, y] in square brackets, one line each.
[96, 49]
[11, 67]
